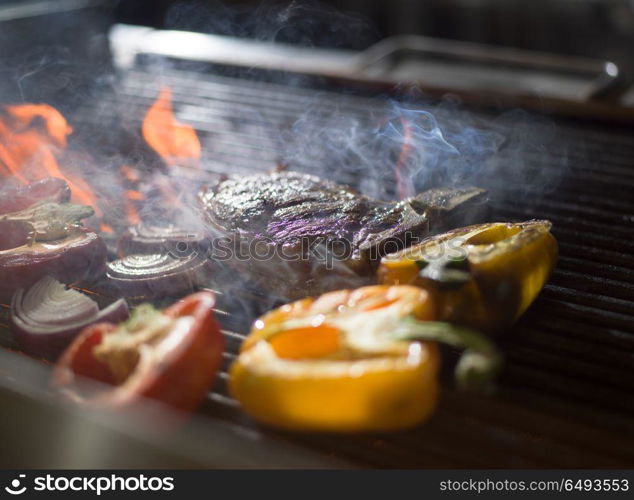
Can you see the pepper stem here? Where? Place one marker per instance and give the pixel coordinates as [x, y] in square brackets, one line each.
[480, 361]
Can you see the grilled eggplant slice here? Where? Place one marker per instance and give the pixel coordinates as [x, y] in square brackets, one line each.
[299, 235]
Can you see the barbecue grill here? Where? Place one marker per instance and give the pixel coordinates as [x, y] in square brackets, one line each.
[564, 398]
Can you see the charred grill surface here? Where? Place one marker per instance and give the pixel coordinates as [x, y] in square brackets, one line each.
[293, 211]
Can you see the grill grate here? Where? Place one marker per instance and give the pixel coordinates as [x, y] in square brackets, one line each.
[565, 396]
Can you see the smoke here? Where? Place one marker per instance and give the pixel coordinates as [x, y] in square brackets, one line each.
[306, 23]
[388, 146]
[381, 143]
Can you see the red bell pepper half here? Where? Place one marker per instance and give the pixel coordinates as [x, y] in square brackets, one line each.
[170, 356]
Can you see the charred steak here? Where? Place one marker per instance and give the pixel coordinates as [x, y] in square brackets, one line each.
[299, 235]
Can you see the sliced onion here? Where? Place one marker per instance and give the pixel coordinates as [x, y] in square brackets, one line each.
[158, 274]
[48, 316]
[81, 256]
[150, 238]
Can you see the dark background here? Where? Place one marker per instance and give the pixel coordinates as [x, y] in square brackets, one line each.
[44, 57]
[599, 28]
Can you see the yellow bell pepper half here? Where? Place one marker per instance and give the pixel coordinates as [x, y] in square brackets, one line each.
[333, 363]
[483, 276]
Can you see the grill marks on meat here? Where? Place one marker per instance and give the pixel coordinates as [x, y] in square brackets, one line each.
[272, 204]
[291, 209]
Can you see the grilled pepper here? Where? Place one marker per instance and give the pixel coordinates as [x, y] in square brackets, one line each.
[483, 276]
[349, 361]
[171, 356]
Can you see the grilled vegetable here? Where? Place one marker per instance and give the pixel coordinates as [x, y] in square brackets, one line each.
[158, 274]
[484, 276]
[69, 259]
[171, 356]
[302, 235]
[47, 239]
[48, 316]
[47, 221]
[350, 360]
[147, 238]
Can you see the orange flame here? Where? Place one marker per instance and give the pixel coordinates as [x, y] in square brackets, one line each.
[30, 135]
[131, 211]
[132, 194]
[130, 173]
[175, 142]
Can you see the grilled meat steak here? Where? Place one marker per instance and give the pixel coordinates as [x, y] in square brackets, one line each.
[299, 235]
